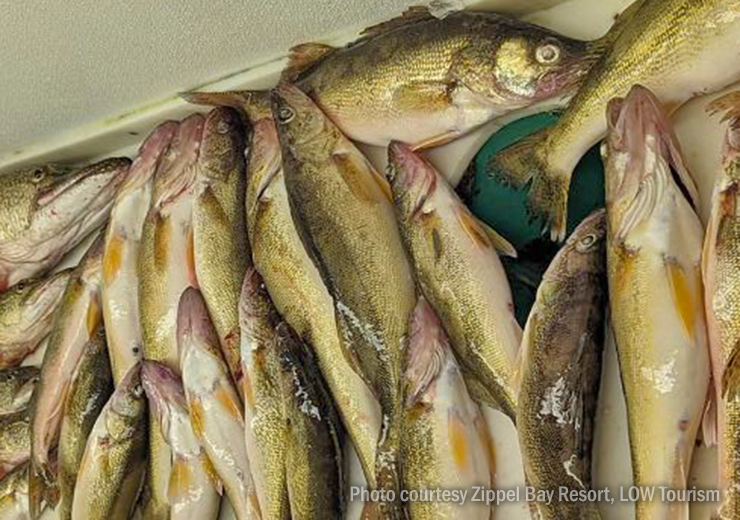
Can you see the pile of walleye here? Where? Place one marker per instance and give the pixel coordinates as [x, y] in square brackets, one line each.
[258, 292]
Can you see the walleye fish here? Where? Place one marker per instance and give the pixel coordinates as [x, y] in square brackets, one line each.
[112, 468]
[26, 316]
[445, 441]
[165, 268]
[671, 47]
[15, 440]
[313, 450]
[561, 370]
[459, 272]
[14, 495]
[215, 409]
[194, 489]
[292, 279]
[425, 80]
[654, 251]
[343, 206]
[266, 436]
[219, 228]
[46, 211]
[88, 393]
[122, 244]
[76, 322]
[16, 387]
[720, 262]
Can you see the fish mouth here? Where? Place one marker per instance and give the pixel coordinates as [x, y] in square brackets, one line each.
[567, 78]
[193, 323]
[163, 388]
[90, 180]
[411, 176]
[151, 153]
[46, 296]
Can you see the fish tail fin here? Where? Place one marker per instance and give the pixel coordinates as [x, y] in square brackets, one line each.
[525, 163]
[387, 470]
[709, 421]
[43, 491]
[255, 103]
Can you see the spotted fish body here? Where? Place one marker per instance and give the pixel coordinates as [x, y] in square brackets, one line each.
[654, 248]
[220, 242]
[722, 289]
[425, 80]
[459, 272]
[15, 440]
[561, 369]
[14, 495]
[445, 442]
[165, 268]
[344, 210]
[122, 243]
[27, 315]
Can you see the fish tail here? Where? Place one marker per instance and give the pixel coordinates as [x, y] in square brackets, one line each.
[43, 490]
[526, 164]
[254, 103]
[387, 471]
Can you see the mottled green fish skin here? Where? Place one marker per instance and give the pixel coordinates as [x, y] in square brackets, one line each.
[88, 393]
[16, 388]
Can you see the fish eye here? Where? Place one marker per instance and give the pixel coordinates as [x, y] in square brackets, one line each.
[586, 243]
[285, 115]
[38, 175]
[20, 287]
[547, 54]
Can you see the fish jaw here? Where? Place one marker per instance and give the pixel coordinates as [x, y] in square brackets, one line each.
[194, 325]
[412, 179]
[427, 352]
[26, 315]
[164, 392]
[264, 165]
[16, 388]
[65, 212]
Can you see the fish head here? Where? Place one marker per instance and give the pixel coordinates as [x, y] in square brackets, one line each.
[126, 406]
[413, 180]
[265, 164]
[257, 314]
[222, 145]
[32, 301]
[428, 352]
[194, 327]
[585, 250]
[45, 207]
[164, 392]
[151, 153]
[301, 124]
[641, 150]
[536, 64]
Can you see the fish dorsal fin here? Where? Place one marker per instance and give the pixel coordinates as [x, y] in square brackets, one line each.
[302, 57]
[412, 15]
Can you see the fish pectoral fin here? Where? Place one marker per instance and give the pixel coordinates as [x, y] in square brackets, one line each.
[731, 375]
[498, 242]
[481, 234]
[213, 208]
[423, 96]
[709, 421]
[210, 472]
[684, 301]
[181, 480]
[302, 57]
[362, 178]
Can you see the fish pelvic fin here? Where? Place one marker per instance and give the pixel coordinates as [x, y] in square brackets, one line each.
[709, 421]
[303, 57]
[731, 375]
[525, 163]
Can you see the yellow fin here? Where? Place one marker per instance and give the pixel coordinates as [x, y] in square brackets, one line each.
[472, 227]
[224, 396]
[361, 178]
[94, 317]
[210, 472]
[498, 242]
[180, 479]
[682, 298]
[425, 97]
[302, 57]
[459, 442]
[197, 414]
[113, 258]
[731, 375]
[190, 258]
[162, 238]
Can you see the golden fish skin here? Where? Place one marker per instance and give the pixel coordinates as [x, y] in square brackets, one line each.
[122, 243]
[76, 323]
[315, 467]
[561, 369]
[14, 494]
[15, 440]
[194, 489]
[445, 442]
[296, 287]
[112, 468]
[720, 268]
[669, 46]
[46, 211]
[266, 436]
[459, 272]
[165, 268]
[219, 227]
[88, 393]
[344, 210]
[16, 388]
[216, 412]
[27, 314]
[424, 80]
[654, 247]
